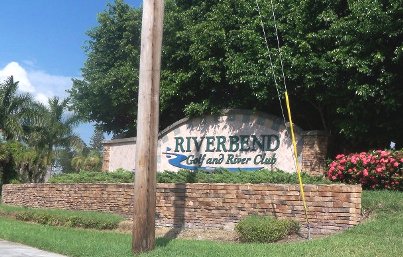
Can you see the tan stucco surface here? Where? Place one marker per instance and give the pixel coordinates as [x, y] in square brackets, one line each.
[122, 154]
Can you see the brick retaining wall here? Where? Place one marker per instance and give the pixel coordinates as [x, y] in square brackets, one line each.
[331, 207]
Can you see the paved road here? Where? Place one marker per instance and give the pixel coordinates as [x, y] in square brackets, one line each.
[10, 249]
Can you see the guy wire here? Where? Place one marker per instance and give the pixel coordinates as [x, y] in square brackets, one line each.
[287, 102]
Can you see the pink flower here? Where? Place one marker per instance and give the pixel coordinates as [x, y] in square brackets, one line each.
[384, 153]
[378, 169]
[339, 156]
[396, 164]
[365, 172]
[333, 165]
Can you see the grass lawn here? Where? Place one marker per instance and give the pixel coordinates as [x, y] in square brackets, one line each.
[381, 235]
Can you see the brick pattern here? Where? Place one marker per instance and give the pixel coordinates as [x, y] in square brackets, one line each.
[314, 153]
[331, 207]
[106, 153]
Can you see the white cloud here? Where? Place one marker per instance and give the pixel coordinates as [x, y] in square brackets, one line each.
[50, 85]
[41, 98]
[37, 82]
[20, 74]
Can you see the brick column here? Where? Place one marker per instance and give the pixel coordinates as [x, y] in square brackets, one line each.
[314, 151]
[106, 157]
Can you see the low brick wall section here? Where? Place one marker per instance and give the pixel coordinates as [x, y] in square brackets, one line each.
[331, 207]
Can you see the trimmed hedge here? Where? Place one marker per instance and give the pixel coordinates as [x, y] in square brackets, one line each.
[119, 176]
[265, 229]
[65, 218]
[184, 176]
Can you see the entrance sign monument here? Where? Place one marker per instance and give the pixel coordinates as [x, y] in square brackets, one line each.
[234, 140]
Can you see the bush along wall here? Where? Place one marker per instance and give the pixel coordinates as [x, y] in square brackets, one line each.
[186, 176]
[265, 229]
[380, 169]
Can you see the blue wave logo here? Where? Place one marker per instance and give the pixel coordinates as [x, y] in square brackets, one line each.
[176, 159]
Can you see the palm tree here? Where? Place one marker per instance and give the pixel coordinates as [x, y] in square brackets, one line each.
[39, 131]
[57, 129]
[15, 110]
[16, 113]
[49, 133]
[87, 160]
[78, 161]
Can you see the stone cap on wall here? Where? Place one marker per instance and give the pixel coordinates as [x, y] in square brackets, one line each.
[120, 140]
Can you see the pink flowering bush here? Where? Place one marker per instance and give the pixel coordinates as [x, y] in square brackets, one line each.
[380, 169]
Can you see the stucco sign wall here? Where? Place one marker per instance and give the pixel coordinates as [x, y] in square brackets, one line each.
[235, 140]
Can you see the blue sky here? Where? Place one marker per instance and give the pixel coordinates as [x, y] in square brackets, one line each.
[41, 44]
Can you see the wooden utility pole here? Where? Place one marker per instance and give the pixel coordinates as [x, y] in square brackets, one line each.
[147, 127]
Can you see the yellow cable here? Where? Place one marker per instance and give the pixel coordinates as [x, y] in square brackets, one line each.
[296, 157]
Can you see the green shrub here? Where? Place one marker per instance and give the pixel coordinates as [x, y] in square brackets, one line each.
[24, 216]
[182, 176]
[185, 176]
[53, 217]
[264, 229]
[256, 177]
[94, 177]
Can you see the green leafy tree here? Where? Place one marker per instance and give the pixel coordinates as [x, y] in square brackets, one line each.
[29, 163]
[5, 173]
[96, 139]
[62, 163]
[108, 93]
[371, 63]
[342, 62]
